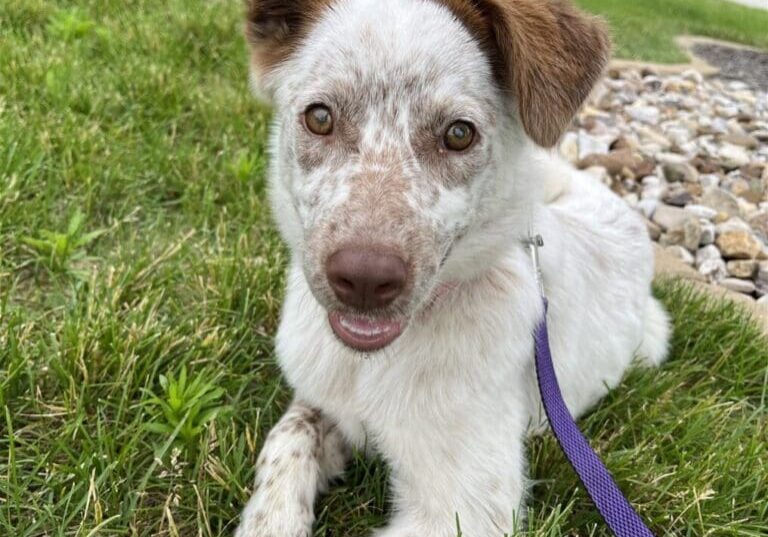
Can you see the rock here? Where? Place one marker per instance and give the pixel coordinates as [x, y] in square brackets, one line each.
[615, 162]
[692, 76]
[743, 140]
[691, 234]
[590, 145]
[669, 217]
[671, 158]
[679, 197]
[733, 156]
[706, 165]
[739, 245]
[721, 201]
[760, 135]
[644, 114]
[708, 253]
[654, 230]
[680, 171]
[709, 180]
[700, 211]
[708, 233]
[763, 302]
[669, 265]
[742, 269]
[740, 286]
[759, 224]
[652, 192]
[732, 225]
[681, 253]
[648, 207]
[714, 270]
[625, 142]
[754, 170]
[762, 272]
[632, 199]
[599, 173]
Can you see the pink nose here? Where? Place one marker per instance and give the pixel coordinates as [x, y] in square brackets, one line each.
[366, 279]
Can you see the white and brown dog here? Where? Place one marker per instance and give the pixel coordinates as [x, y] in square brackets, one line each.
[409, 162]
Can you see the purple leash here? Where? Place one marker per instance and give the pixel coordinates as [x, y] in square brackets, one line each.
[614, 508]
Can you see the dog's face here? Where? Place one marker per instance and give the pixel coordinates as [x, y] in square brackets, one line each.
[395, 122]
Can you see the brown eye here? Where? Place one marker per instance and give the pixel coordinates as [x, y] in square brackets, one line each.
[459, 136]
[319, 120]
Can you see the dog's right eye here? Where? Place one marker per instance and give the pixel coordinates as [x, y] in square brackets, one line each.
[319, 120]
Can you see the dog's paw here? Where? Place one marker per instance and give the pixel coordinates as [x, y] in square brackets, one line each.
[270, 519]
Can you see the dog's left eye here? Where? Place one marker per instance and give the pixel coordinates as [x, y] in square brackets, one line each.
[459, 136]
[319, 120]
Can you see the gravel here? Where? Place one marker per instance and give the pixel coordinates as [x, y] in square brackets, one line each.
[691, 155]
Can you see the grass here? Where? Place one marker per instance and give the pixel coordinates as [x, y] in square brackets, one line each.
[646, 29]
[140, 285]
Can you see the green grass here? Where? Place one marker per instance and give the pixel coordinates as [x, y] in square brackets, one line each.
[135, 245]
[645, 29]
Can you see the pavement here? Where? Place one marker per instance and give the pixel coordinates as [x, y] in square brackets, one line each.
[759, 4]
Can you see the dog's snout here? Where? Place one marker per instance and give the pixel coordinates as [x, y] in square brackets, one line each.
[366, 278]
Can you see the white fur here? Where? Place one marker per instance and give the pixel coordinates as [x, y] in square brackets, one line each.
[449, 403]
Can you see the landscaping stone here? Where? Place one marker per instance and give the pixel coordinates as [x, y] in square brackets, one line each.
[669, 217]
[691, 155]
[738, 245]
[745, 287]
[742, 269]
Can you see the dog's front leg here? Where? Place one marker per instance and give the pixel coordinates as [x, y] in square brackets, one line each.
[301, 455]
[448, 484]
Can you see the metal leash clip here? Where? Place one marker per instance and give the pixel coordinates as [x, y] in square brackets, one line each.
[534, 242]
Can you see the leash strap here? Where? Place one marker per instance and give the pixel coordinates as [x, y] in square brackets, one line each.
[614, 508]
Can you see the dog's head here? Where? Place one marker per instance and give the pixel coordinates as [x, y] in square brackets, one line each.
[401, 127]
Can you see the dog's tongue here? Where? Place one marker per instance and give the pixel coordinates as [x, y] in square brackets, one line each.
[364, 334]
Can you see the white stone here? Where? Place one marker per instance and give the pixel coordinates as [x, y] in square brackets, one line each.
[732, 224]
[693, 76]
[632, 199]
[591, 145]
[669, 217]
[682, 254]
[651, 180]
[644, 114]
[708, 253]
[648, 207]
[652, 192]
[671, 158]
[709, 180]
[738, 285]
[733, 156]
[701, 211]
[713, 269]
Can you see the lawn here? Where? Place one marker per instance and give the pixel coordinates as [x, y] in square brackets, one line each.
[140, 284]
[645, 29]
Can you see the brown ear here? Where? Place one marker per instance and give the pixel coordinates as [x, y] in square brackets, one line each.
[550, 55]
[274, 28]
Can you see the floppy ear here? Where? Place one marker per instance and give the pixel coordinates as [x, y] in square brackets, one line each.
[274, 28]
[549, 55]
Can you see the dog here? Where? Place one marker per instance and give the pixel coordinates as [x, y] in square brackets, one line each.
[411, 157]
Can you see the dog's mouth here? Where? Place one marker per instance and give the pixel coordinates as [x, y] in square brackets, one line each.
[363, 333]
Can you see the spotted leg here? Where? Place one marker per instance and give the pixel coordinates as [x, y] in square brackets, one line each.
[301, 455]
